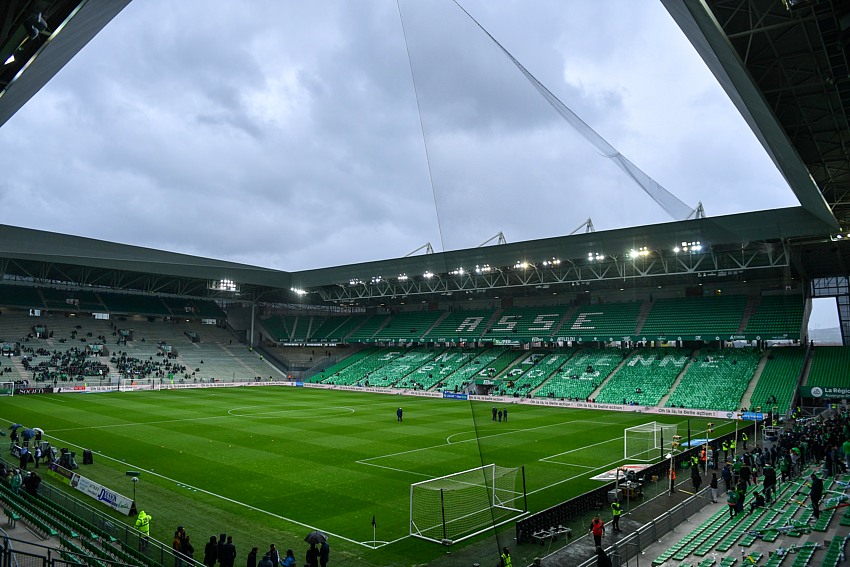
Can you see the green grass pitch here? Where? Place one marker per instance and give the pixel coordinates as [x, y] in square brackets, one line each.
[269, 464]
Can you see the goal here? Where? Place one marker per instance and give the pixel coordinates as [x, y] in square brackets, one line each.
[137, 384]
[7, 388]
[648, 441]
[462, 505]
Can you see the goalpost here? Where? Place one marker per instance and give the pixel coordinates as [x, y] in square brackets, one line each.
[137, 384]
[459, 506]
[7, 388]
[648, 441]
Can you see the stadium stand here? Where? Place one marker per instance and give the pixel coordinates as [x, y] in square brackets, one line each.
[134, 304]
[526, 322]
[716, 379]
[695, 316]
[396, 369]
[581, 374]
[829, 366]
[778, 380]
[484, 365]
[460, 326]
[437, 370]
[542, 367]
[359, 371]
[777, 316]
[20, 296]
[407, 326]
[645, 377]
[365, 332]
[603, 320]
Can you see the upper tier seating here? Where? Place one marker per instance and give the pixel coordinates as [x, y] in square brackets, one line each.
[459, 326]
[691, 316]
[603, 320]
[408, 326]
[776, 316]
[526, 322]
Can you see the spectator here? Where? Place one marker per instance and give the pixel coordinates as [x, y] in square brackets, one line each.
[266, 561]
[289, 560]
[211, 552]
[324, 554]
[312, 559]
[252, 557]
[229, 550]
[274, 555]
[602, 559]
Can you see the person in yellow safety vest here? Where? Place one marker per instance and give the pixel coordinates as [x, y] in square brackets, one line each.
[694, 460]
[744, 439]
[506, 558]
[616, 510]
[732, 444]
[143, 524]
[725, 448]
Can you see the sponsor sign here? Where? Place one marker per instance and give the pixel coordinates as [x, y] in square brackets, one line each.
[454, 396]
[752, 416]
[825, 392]
[29, 391]
[92, 489]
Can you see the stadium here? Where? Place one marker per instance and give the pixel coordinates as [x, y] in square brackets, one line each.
[438, 408]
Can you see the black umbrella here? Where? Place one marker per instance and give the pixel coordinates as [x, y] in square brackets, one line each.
[15, 426]
[28, 434]
[316, 537]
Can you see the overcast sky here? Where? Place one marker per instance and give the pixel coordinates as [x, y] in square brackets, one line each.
[287, 134]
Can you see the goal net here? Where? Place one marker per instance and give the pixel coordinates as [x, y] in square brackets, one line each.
[648, 441]
[7, 388]
[137, 384]
[462, 505]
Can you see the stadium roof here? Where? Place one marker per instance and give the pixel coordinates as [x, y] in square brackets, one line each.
[785, 69]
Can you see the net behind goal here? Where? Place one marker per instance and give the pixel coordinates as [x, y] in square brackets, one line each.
[7, 388]
[648, 441]
[458, 506]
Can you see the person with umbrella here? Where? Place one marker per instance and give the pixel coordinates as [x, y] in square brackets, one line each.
[312, 556]
[314, 538]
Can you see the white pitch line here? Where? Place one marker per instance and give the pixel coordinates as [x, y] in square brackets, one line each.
[476, 439]
[582, 448]
[219, 496]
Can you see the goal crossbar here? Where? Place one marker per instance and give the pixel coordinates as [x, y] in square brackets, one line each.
[461, 505]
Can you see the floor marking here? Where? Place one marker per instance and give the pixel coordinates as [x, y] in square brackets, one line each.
[545, 459]
[365, 461]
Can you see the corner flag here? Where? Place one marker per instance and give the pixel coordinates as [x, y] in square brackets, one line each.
[373, 521]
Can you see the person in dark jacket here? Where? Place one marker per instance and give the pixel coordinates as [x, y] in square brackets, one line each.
[324, 554]
[602, 559]
[222, 539]
[816, 494]
[313, 556]
[211, 552]
[252, 557]
[266, 561]
[228, 556]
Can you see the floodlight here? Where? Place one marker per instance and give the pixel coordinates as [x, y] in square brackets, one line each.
[402, 277]
[297, 291]
[9, 60]
[676, 249]
[427, 275]
[633, 253]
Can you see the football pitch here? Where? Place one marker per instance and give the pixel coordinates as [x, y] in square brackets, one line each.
[270, 464]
